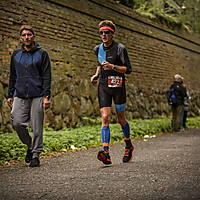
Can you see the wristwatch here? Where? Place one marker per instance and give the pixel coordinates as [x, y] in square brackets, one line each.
[114, 67]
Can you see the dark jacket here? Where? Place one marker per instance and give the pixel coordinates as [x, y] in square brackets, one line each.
[179, 91]
[30, 73]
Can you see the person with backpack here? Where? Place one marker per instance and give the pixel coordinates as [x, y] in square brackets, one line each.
[177, 95]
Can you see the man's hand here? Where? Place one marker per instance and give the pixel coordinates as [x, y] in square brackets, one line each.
[10, 102]
[46, 103]
[94, 78]
[106, 65]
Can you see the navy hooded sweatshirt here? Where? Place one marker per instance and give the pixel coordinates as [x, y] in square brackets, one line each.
[30, 73]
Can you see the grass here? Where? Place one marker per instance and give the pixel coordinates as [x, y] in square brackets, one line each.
[83, 137]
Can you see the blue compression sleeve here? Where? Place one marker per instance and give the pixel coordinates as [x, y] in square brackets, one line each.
[105, 134]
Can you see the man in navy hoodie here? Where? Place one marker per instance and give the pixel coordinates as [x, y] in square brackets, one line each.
[29, 92]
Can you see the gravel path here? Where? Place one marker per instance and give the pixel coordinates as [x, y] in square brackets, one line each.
[164, 167]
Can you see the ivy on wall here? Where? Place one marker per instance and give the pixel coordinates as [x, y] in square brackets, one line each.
[181, 14]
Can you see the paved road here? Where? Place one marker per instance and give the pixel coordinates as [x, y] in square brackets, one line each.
[165, 167]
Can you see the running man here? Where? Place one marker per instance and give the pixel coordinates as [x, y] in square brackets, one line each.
[113, 64]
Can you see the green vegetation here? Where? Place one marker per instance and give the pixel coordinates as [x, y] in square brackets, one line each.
[176, 14]
[83, 137]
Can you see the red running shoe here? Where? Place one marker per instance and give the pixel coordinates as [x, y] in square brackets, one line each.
[128, 156]
[104, 157]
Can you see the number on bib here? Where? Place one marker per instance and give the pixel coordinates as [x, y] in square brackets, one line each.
[114, 81]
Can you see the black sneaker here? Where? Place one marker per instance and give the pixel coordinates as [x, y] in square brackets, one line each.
[128, 156]
[29, 156]
[35, 162]
[104, 157]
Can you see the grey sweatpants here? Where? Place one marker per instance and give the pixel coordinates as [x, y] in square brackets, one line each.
[25, 111]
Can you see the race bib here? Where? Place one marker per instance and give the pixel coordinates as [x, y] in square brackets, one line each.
[114, 81]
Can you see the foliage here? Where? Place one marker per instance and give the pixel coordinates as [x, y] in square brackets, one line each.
[174, 13]
[84, 137]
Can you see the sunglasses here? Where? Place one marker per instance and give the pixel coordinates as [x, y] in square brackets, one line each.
[106, 32]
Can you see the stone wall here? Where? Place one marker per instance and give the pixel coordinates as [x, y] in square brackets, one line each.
[68, 30]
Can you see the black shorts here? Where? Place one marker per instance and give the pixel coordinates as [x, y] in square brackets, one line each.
[106, 94]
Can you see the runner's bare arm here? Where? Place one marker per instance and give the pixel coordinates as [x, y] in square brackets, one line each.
[108, 66]
[96, 75]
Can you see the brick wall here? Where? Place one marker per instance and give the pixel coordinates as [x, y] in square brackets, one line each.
[68, 30]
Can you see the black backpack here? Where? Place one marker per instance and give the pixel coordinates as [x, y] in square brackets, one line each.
[171, 98]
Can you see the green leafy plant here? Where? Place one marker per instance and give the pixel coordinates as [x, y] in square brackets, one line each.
[83, 137]
[176, 14]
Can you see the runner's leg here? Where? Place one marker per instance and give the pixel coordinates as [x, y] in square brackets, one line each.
[105, 130]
